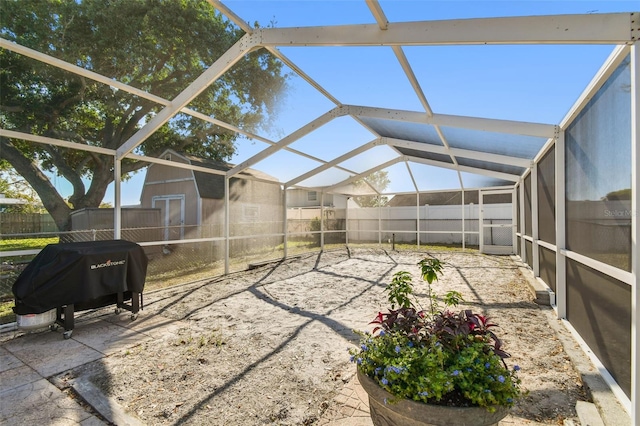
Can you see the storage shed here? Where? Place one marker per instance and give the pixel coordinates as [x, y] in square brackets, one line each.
[191, 202]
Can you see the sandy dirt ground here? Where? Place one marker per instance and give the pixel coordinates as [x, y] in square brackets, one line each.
[269, 345]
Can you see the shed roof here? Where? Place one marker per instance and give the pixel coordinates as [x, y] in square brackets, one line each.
[211, 185]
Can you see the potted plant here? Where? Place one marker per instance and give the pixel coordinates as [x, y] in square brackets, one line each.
[432, 366]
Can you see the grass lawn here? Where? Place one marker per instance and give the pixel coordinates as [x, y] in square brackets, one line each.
[26, 243]
[6, 313]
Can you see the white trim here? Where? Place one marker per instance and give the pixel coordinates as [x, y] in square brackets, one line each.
[466, 122]
[548, 145]
[514, 219]
[635, 233]
[222, 8]
[427, 232]
[522, 253]
[546, 245]
[612, 271]
[495, 249]
[322, 220]
[459, 152]
[55, 142]
[161, 182]
[462, 205]
[334, 162]
[422, 192]
[534, 220]
[166, 198]
[561, 223]
[19, 253]
[378, 14]
[612, 28]
[289, 139]
[227, 225]
[346, 223]
[411, 76]
[364, 174]
[117, 195]
[475, 170]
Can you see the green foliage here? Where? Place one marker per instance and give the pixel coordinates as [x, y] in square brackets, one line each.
[378, 180]
[439, 358]
[453, 298]
[619, 195]
[315, 224]
[399, 290]
[159, 47]
[6, 312]
[429, 269]
[13, 186]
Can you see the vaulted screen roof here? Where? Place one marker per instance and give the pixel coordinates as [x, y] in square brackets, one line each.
[440, 95]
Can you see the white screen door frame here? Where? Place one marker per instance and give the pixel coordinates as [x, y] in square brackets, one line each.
[172, 215]
[504, 227]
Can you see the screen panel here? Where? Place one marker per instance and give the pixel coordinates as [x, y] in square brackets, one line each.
[598, 174]
[546, 197]
[528, 246]
[599, 308]
[548, 266]
[528, 220]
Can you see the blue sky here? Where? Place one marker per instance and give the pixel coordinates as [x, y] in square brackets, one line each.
[527, 83]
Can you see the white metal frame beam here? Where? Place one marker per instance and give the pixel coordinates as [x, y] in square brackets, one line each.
[14, 47]
[459, 152]
[611, 28]
[378, 13]
[55, 142]
[473, 123]
[497, 175]
[365, 173]
[334, 162]
[635, 234]
[289, 139]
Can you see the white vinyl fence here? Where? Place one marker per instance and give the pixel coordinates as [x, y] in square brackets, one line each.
[436, 224]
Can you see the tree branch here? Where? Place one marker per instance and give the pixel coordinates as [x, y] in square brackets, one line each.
[51, 199]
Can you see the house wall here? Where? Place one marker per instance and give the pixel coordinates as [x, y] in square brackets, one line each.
[255, 207]
[300, 198]
[212, 218]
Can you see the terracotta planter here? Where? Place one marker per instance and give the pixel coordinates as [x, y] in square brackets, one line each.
[413, 413]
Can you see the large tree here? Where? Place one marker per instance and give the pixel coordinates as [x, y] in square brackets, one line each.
[380, 181]
[159, 46]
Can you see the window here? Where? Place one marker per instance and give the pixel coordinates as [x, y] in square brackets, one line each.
[312, 196]
[250, 213]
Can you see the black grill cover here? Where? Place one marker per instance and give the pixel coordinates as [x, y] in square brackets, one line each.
[76, 273]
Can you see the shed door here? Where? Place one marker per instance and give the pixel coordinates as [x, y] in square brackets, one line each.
[497, 227]
[171, 214]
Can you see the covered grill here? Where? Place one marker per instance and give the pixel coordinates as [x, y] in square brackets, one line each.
[72, 277]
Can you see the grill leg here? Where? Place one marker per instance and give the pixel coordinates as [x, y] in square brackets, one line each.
[64, 317]
[135, 302]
